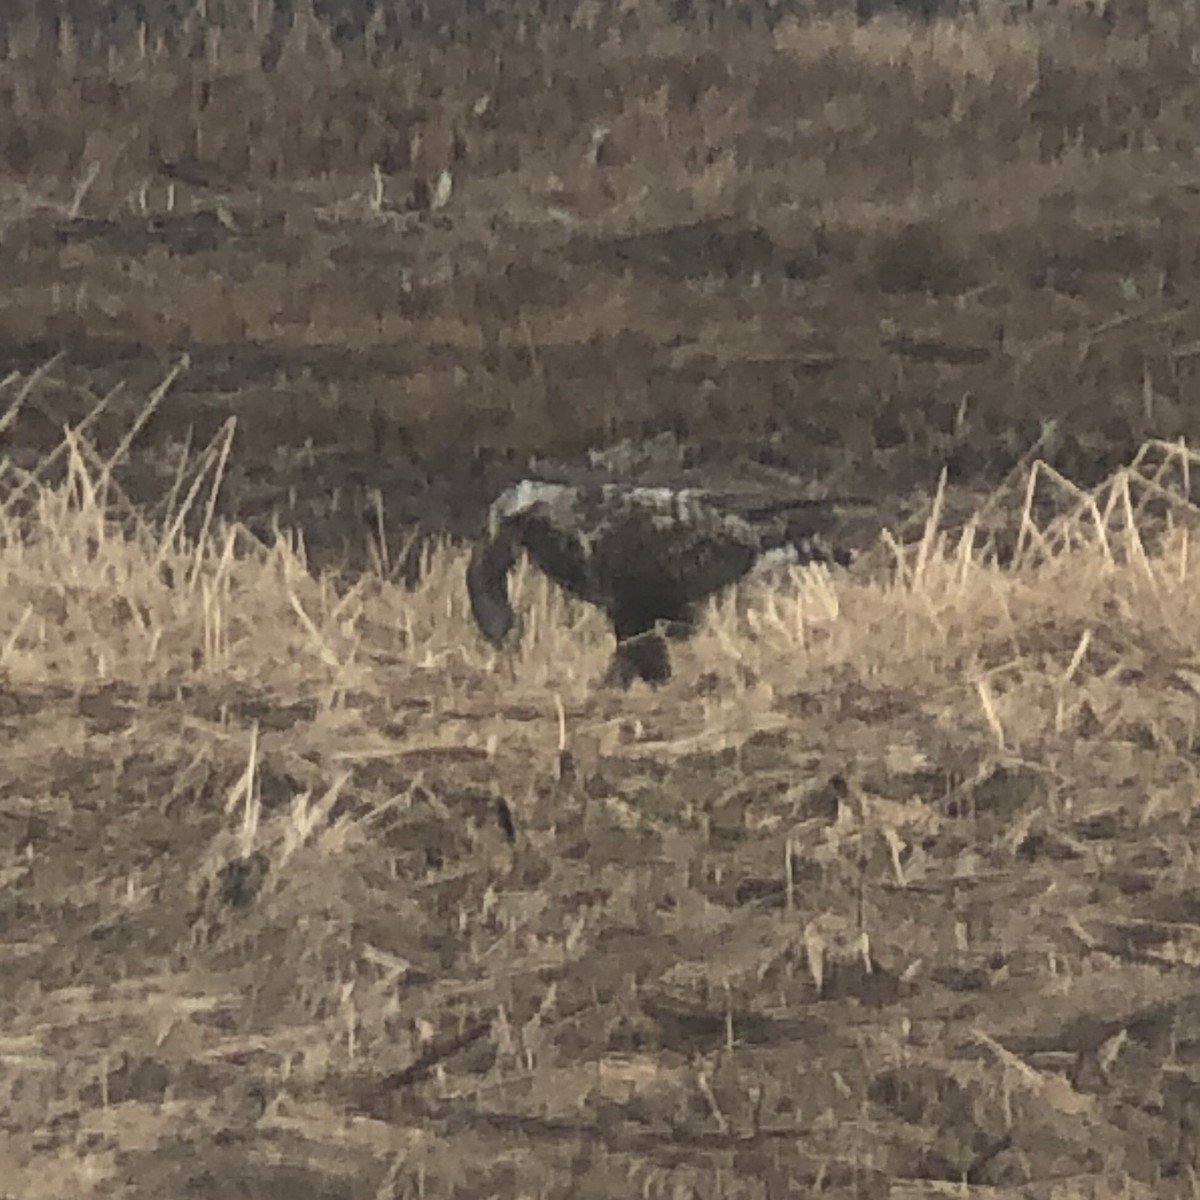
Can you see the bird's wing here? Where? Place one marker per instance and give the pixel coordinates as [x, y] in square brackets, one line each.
[673, 544]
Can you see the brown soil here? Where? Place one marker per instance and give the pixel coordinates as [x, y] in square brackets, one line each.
[305, 893]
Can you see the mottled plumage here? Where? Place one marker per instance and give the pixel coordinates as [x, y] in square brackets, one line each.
[646, 556]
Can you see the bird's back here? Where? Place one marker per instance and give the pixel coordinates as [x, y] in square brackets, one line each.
[648, 556]
[608, 540]
[671, 548]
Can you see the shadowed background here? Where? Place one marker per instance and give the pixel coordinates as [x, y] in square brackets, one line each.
[862, 250]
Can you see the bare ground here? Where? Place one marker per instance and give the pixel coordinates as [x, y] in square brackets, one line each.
[891, 892]
[866, 251]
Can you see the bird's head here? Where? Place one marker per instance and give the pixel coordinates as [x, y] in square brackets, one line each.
[487, 587]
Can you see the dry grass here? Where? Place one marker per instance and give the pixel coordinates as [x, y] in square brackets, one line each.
[889, 892]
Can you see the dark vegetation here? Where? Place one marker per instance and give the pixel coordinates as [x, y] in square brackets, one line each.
[851, 249]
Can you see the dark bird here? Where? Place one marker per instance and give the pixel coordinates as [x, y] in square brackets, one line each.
[646, 556]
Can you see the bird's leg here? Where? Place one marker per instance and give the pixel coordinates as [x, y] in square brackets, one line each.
[640, 656]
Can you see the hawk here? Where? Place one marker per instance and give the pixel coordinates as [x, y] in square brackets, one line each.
[646, 556]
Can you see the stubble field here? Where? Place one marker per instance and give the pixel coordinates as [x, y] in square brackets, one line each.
[889, 892]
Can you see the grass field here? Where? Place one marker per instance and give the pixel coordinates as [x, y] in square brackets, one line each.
[306, 893]
[889, 892]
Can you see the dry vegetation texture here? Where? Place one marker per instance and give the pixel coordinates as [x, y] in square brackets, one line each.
[304, 894]
[889, 893]
[888, 242]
